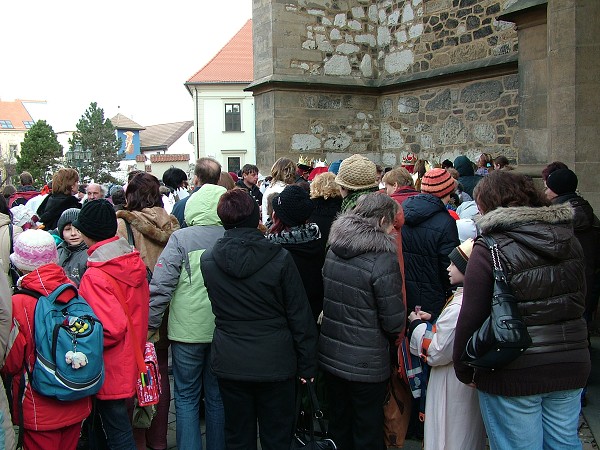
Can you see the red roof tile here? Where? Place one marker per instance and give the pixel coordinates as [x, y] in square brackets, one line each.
[233, 64]
[16, 113]
[169, 158]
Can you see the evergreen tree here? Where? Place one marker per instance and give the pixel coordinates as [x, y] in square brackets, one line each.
[96, 137]
[41, 153]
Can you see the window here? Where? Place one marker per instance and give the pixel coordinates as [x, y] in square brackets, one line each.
[28, 123]
[233, 164]
[233, 117]
[6, 124]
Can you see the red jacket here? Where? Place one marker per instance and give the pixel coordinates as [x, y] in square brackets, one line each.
[114, 258]
[402, 193]
[40, 413]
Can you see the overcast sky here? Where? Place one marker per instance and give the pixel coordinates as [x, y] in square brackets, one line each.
[129, 53]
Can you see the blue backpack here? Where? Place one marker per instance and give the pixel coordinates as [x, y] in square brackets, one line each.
[69, 343]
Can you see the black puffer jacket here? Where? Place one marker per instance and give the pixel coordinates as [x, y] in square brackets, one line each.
[587, 230]
[363, 304]
[544, 265]
[429, 235]
[264, 326]
[53, 206]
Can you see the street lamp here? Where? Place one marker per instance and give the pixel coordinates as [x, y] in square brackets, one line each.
[78, 158]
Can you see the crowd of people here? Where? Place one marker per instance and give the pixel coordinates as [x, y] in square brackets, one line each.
[251, 286]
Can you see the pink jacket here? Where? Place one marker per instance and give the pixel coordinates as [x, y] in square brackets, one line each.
[114, 258]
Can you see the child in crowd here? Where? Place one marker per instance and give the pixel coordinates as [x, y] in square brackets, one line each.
[72, 251]
[115, 274]
[47, 422]
[452, 417]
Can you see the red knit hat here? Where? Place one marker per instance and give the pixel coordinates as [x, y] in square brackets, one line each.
[437, 182]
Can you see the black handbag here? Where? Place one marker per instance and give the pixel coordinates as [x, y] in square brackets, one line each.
[503, 337]
[306, 439]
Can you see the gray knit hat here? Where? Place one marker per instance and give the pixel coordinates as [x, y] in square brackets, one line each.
[357, 173]
[67, 217]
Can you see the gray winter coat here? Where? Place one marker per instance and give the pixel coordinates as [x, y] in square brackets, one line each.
[363, 307]
[73, 259]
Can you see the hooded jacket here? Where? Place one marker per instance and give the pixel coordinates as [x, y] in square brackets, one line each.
[402, 193]
[544, 266]
[363, 306]
[467, 179]
[40, 413]
[151, 229]
[429, 235]
[114, 258]
[264, 327]
[177, 281]
[53, 206]
[73, 259]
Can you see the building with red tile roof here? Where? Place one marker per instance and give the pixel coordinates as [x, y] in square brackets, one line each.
[15, 120]
[223, 111]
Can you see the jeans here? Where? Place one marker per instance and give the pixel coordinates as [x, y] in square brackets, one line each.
[116, 422]
[271, 403]
[191, 371]
[545, 421]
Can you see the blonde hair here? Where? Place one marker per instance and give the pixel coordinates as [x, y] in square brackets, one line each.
[284, 170]
[399, 176]
[63, 181]
[324, 185]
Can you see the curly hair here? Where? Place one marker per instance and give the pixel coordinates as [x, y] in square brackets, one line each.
[324, 185]
[505, 188]
[284, 170]
[143, 191]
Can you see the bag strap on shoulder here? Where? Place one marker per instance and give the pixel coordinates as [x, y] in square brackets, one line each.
[130, 238]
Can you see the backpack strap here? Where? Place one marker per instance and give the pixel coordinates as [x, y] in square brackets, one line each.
[136, 350]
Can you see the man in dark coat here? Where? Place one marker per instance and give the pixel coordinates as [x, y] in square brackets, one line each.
[560, 188]
[249, 180]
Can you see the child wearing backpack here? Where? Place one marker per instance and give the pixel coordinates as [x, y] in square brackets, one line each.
[72, 251]
[452, 417]
[47, 423]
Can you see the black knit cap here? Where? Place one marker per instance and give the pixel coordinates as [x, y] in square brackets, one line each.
[97, 220]
[562, 181]
[293, 206]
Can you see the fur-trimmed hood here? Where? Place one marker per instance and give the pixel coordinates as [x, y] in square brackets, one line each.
[352, 235]
[154, 223]
[501, 219]
[547, 231]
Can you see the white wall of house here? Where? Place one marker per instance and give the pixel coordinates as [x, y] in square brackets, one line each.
[182, 146]
[210, 137]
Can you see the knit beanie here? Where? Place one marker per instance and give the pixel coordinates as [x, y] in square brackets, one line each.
[357, 173]
[437, 182]
[562, 181]
[67, 217]
[460, 255]
[293, 205]
[33, 249]
[97, 220]
[466, 229]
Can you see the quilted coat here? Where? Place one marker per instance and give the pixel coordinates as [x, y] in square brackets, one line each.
[544, 265]
[362, 307]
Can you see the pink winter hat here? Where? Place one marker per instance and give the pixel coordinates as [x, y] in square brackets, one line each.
[33, 249]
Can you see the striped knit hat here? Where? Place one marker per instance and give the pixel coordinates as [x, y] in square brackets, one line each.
[460, 255]
[437, 182]
[33, 249]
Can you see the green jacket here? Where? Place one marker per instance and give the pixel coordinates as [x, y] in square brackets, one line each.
[177, 281]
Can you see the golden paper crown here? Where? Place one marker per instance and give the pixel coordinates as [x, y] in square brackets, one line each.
[304, 161]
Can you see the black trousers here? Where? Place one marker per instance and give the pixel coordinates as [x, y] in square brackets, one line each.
[356, 413]
[272, 404]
